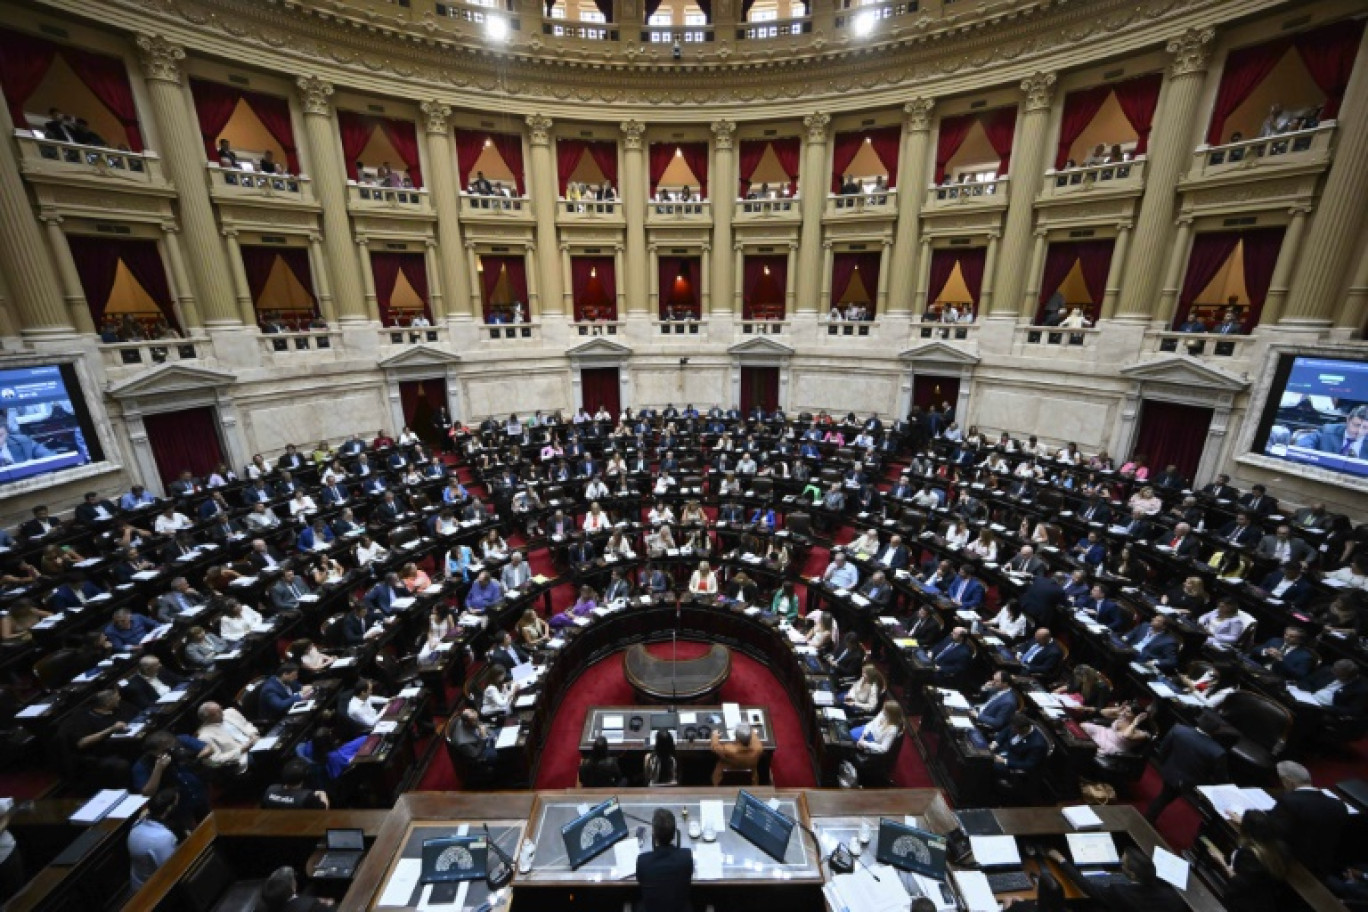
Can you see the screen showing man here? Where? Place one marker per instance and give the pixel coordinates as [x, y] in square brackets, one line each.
[1318, 415]
[43, 426]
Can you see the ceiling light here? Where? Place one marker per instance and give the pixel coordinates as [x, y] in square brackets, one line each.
[864, 24]
[496, 27]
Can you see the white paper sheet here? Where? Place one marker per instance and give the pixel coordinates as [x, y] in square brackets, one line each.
[1171, 868]
[974, 889]
[1092, 848]
[126, 808]
[992, 851]
[707, 860]
[1081, 817]
[711, 813]
[402, 882]
[508, 737]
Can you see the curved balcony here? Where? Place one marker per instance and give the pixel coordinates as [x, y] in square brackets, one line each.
[588, 212]
[413, 335]
[694, 212]
[1072, 183]
[870, 204]
[783, 209]
[400, 201]
[499, 209]
[1073, 343]
[298, 344]
[1304, 148]
[232, 185]
[1199, 345]
[151, 352]
[968, 195]
[62, 160]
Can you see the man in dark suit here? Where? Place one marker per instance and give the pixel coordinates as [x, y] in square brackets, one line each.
[74, 592]
[1287, 584]
[1287, 655]
[1153, 643]
[952, 656]
[1142, 891]
[1025, 749]
[257, 493]
[149, 683]
[263, 556]
[666, 872]
[1282, 547]
[1043, 656]
[360, 623]
[731, 513]
[1221, 489]
[180, 599]
[211, 506]
[1242, 533]
[1258, 502]
[1090, 550]
[285, 594]
[40, 525]
[1188, 757]
[1043, 597]
[1346, 693]
[291, 460]
[1026, 562]
[927, 628]
[995, 713]
[504, 652]
[581, 552]
[183, 486]
[966, 591]
[893, 555]
[475, 747]
[877, 590]
[1138, 526]
[1311, 821]
[1103, 609]
[281, 691]
[224, 529]
[382, 594]
[95, 511]
[1095, 510]
[1182, 543]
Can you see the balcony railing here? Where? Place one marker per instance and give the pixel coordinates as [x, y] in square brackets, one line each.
[1298, 147]
[787, 207]
[766, 31]
[692, 329]
[1050, 341]
[580, 31]
[231, 183]
[289, 343]
[589, 210]
[39, 155]
[945, 332]
[763, 327]
[689, 34]
[512, 331]
[1198, 345]
[156, 351]
[598, 327]
[1125, 175]
[412, 335]
[871, 202]
[848, 11]
[970, 193]
[406, 200]
[848, 327]
[475, 205]
[692, 211]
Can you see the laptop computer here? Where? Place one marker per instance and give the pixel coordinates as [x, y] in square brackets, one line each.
[344, 848]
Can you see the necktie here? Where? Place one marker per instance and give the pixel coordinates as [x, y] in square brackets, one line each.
[1348, 448]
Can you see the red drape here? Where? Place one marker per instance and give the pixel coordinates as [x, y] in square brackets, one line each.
[593, 284]
[599, 386]
[1209, 253]
[972, 263]
[604, 154]
[885, 143]
[1261, 248]
[420, 400]
[930, 390]
[764, 290]
[274, 114]
[789, 151]
[1079, 110]
[516, 269]
[658, 158]
[1138, 99]
[952, 134]
[606, 7]
[748, 159]
[1094, 261]
[184, 440]
[214, 105]
[847, 146]
[107, 78]
[403, 135]
[706, 7]
[759, 386]
[296, 259]
[568, 155]
[1000, 126]
[685, 295]
[1059, 260]
[385, 271]
[509, 147]
[355, 130]
[144, 262]
[942, 267]
[696, 157]
[1172, 434]
[469, 148]
[97, 263]
[1244, 70]
[258, 262]
[1329, 57]
[843, 269]
[24, 61]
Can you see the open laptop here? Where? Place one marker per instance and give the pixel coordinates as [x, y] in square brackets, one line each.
[344, 849]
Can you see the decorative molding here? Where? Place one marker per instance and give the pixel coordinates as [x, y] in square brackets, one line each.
[940, 353]
[316, 95]
[539, 129]
[1185, 371]
[918, 112]
[633, 135]
[161, 59]
[816, 125]
[1190, 52]
[435, 116]
[599, 348]
[724, 133]
[761, 345]
[1039, 90]
[175, 378]
[421, 355]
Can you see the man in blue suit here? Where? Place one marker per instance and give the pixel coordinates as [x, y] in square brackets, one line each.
[1042, 597]
[1043, 656]
[1188, 757]
[1287, 584]
[952, 656]
[1346, 439]
[995, 713]
[966, 591]
[16, 448]
[74, 593]
[1090, 550]
[281, 691]
[1103, 609]
[1026, 747]
[383, 593]
[1153, 643]
[315, 536]
[1287, 655]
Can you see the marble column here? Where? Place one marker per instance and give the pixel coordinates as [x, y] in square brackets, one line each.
[543, 186]
[1027, 173]
[635, 193]
[432, 265]
[922, 289]
[1035, 274]
[33, 288]
[1173, 273]
[246, 308]
[363, 259]
[723, 195]
[322, 285]
[916, 146]
[1116, 271]
[986, 295]
[330, 185]
[445, 185]
[73, 293]
[1355, 309]
[1170, 149]
[812, 184]
[1332, 240]
[1288, 254]
[183, 154]
[180, 281]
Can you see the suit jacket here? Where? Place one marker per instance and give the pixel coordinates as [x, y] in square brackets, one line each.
[1026, 753]
[334, 494]
[35, 528]
[1041, 598]
[1183, 547]
[259, 560]
[1295, 594]
[998, 711]
[1093, 554]
[64, 596]
[664, 875]
[1161, 649]
[509, 657]
[1261, 504]
[1034, 565]
[848, 663]
[879, 594]
[927, 630]
[1043, 662]
[1189, 758]
[951, 658]
[140, 694]
[892, 558]
[1098, 512]
[285, 596]
[86, 513]
[276, 698]
[381, 596]
[1298, 550]
[1352, 698]
[1126, 896]
[970, 592]
[1242, 538]
[1108, 612]
[169, 604]
[1313, 824]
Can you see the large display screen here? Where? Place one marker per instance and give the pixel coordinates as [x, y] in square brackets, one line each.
[44, 424]
[1317, 414]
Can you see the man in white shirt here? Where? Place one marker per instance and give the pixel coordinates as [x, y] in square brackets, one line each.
[229, 735]
[596, 489]
[260, 519]
[237, 621]
[171, 522]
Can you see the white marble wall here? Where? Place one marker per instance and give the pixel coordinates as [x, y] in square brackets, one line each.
[517, 391]
[840, 389]
[313, 416]
[1054, 414]
[701, 383]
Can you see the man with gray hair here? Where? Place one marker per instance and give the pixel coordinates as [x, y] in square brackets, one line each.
[516, 573]
[1311, 821]
[742, 752]
[229, 735]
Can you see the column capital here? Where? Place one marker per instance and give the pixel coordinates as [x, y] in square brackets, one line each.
[362, 240]
[1039, 89]
[161, 59]
[1041, 233]
[435, 116]
[793, 245]
[50, 217]
[540, 125]
[634, 135]
[816, 125]
[994, 234]
[316, 94]
[171, 226]
[230, 233]
[429, 243]
[918, 112]
[724, 132]
[315, 238]
[1125, 225]
[927, 240]
[471, 243]
[827, 243]
[1302, 209]
[1190, 52]
[707, 247]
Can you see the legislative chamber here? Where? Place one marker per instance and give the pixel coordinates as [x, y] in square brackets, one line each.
[849, 455]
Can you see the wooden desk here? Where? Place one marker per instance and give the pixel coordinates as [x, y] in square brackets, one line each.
[694, 755]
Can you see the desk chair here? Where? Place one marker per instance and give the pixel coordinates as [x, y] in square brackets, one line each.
[738, 778]
[1264, 726]
[1026, 787]
[876, 770]
[248, 700]
[58, 668]
[211, 885]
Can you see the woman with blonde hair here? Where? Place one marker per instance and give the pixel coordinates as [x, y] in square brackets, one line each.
[532, 630]
[865, 694]
[703, 581]
[878, 735]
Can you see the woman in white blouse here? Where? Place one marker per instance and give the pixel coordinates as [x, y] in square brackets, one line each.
[407, 437]
[493, 547]
[957, 534]
[985, 546]
[616, 466]
[237, 621]
[364, 707]
[257, 468]
[619, 545]
[498, 696]
[1026, 469]
[693, 514]
[664, 481]
[1145, 501]
[660, 513]
[302, 504]
[1010, 623]
[724, 444]
[878, 736]
[865, 694]
[660, 541]
[596, 520]
[866, 544]
[819, 637]
[703, 581]
[731, 485]
[368, 551]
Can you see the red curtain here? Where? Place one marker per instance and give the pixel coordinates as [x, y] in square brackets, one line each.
[658, 158]
[972, 263]
[1244, 70]
[493, 267]
[1094, 261]
[97, 263]
[687, 294]
[843, 153]
[24, 61]
[885, 143]
[759, 287]
[759, 386]
[604, 155]
[355, 130]
[843, 269]
[274, 114]
[469, 147]
[1329, 57]
[385, 270]
[599, 386]
[509, 147]
[942, 267]
[107, 78]
[789, 151]
[568, 155]
[929, 390]
[420, 400]
[1209, 253]
[606, 7]
[952, 134]
[1079, 110]
[214, 105]
[181, 441]
[144, 262]
[1261, 248]
[1000, 126]
[258, 262]
[696, 157]
[296, 259]
[1138, 99]
[593, 285]
[747, 160]
[403, 135]
[1172, 434]
[1059, 260]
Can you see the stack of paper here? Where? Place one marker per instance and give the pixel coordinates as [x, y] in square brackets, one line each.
[867, 890]
[1081, 817]
[995, 851]
[973, 888]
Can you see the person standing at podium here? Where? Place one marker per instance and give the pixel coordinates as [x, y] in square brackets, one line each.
[666, 872]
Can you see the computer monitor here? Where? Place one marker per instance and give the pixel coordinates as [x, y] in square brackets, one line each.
[593, 832]
[910, 849]
[668, 721]
[345, 840]
[767, 829]
[454, 858]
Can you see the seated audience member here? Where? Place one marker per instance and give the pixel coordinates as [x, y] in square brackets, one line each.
[1025, 748]
[1312, 822]
[127, 630]
[848, 660]
[1188, 757]
[1103, 609]
[290, 793]
[330, 754]
[1126, 734]
[1043, 656]
[1287, 655]
[229, 735]
[665, 873]
[365, 706]
[1224, 624]
[151, 841]
[994, 714]
[201, 648]
[1255, 870]
[150, 683]
[866, 695]
[1142, 891]
[238, 621]
[661, 765]
[280, 692]
[742, 752]
[1154, 644]
[599, 769]
[952, 656]
[474, 745]
[879, 734]
[1287, 584]
[280, 892]
[1346, 693]
[172, 761]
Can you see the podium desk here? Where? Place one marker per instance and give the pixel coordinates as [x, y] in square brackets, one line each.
[694, 755]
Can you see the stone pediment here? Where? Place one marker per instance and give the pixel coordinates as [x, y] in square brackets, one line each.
[939, 352]
[1185, 370]
[171, 379]
[419, 356]
[599, 347]
[761, 345]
